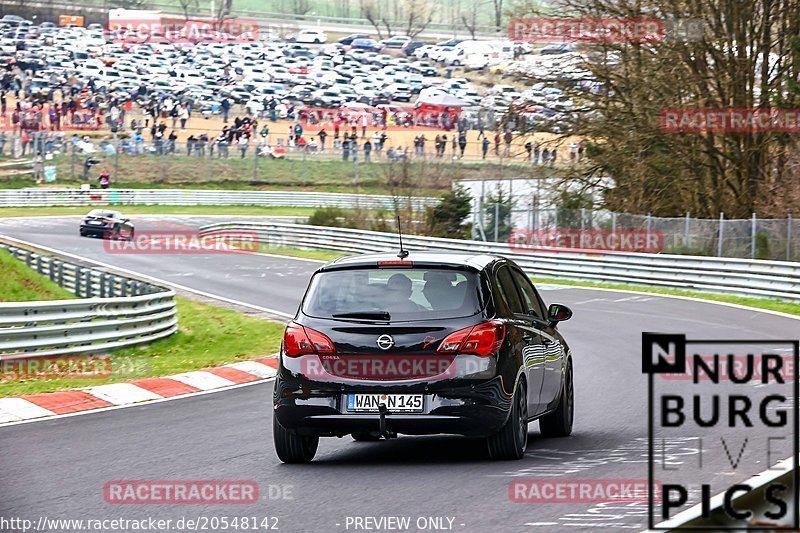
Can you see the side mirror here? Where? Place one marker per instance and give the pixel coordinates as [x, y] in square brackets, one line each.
[558, 313]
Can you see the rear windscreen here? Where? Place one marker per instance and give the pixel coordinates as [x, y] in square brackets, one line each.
[405, 294]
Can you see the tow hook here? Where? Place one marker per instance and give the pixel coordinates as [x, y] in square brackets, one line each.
[385, 433]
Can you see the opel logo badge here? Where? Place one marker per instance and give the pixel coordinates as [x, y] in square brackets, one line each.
[385, 342]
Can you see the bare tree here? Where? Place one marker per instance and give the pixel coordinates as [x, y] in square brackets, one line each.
[222, 10]
[470, 22]
[187, 6]
[301, 7]
[416, 15]
[369, 10]
[498, 13]
[741, 58]
[409, 16]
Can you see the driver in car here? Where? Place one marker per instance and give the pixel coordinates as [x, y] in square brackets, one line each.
[400, 289]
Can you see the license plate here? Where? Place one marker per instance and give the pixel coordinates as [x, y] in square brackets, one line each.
[407, 403]
[95, 223]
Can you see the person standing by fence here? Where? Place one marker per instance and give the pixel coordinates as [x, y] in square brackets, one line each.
[38, 167]
[367, 150]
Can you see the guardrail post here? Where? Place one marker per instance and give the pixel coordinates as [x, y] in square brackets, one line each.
[78, 281]
[721, 233]
[614, 223]
[255, 163]
[87, 274]
[789, 237]
[496, 221]
[60, 273]
[686, 230]
[753, 237]
[530, 216]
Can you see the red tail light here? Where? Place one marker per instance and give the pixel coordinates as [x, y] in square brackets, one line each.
[299, 340]
[483, 340]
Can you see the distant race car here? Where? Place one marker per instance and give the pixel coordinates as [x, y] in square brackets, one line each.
[107, 225]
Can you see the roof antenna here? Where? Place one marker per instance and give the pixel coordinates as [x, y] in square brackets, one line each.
[402, 254]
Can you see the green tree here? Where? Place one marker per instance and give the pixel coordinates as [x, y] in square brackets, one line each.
[497, 211]
[569, 205]
[448, 218]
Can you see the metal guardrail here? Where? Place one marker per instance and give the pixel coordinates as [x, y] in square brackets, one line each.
[771, 279]
[112, 312]
[35, 197]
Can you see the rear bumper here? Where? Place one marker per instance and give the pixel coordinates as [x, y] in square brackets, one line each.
[95, 231]
[406, 424]
[473, 408]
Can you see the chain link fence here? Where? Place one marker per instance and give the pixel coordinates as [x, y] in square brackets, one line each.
[753, 238]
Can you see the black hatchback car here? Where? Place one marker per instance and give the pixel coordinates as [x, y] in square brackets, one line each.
[433, 343]
[106, 224]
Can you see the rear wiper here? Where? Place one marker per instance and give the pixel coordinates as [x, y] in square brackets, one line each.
[366, 315]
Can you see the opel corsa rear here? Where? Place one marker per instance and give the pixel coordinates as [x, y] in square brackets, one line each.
[429, 344]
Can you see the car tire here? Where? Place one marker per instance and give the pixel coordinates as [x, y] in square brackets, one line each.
[364, 436]
[510, 442]
[559, 422]
[293, 448]
[130, 236]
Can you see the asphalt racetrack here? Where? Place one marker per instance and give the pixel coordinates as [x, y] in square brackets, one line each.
[58, 468]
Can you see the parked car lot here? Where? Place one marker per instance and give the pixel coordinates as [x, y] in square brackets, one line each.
[303, 70]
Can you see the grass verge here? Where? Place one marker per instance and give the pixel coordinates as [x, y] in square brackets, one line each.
[302, 253]
[207, 336]
[431, 177]
[23, 284]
